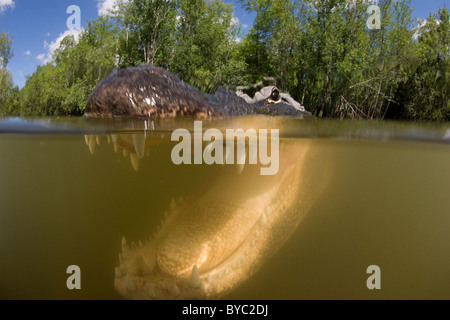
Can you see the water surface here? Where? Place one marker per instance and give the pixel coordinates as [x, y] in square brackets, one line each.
[377, 194]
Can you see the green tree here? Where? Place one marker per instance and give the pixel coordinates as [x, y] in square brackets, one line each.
[147, 31]
[321, 51]
[7, 92]
[285, 40]
[206, 39]
[88, 62]
[347, 70]
[256, 45]
[426, 93]
[62, 86]
[334, 51]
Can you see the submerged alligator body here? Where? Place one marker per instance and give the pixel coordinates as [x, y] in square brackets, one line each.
[149, 91]
[212, 241]
[211, 244]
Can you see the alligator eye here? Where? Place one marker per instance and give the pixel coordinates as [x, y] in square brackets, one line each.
[275, 95]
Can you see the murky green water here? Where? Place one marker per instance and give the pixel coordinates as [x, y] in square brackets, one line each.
[374, 194]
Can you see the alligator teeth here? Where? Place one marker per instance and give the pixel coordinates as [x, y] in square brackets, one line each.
[263, 219]
[139, 144]
[134, 161]
[173, 204]
[118, 272]
[125, 153]
[140, 243]
[86, 139]
[152, 293]
[194, 280]
[92, 144]
[114, 138]
[129, 284]
[116, 147]
[175, 291]
[124, 245]
[256, 233]
[241, 163]
[97, 139]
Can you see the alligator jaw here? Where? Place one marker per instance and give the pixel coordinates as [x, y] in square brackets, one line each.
[210, 245]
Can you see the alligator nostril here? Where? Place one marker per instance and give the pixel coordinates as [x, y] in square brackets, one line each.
[275, 94]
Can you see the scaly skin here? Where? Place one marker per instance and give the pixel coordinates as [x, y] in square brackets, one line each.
[151, 92]
[210, 245]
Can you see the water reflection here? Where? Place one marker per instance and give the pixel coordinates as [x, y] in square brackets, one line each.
[209, 245]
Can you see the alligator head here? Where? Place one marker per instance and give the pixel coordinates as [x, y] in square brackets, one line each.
[149, 91]
[211, 244]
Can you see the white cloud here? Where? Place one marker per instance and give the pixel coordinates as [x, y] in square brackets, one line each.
[352, 3]
[4, 4]
[28, 53]
[104, 6]
[349, 5]
[44, 58]
[419, 30]
[41, 57]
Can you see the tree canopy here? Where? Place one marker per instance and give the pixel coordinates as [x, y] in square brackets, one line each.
[321, 52]
[7, 92]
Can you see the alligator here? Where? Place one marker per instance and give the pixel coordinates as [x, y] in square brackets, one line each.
[153, 92]
[209, 245]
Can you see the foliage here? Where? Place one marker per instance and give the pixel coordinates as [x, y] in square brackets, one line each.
[206, 38]
[8, 94]
[322, 52]
[147, 31]
[426, 92]
[329, 60]
[62, 86]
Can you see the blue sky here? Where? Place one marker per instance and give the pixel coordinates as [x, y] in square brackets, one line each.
[36, 26]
